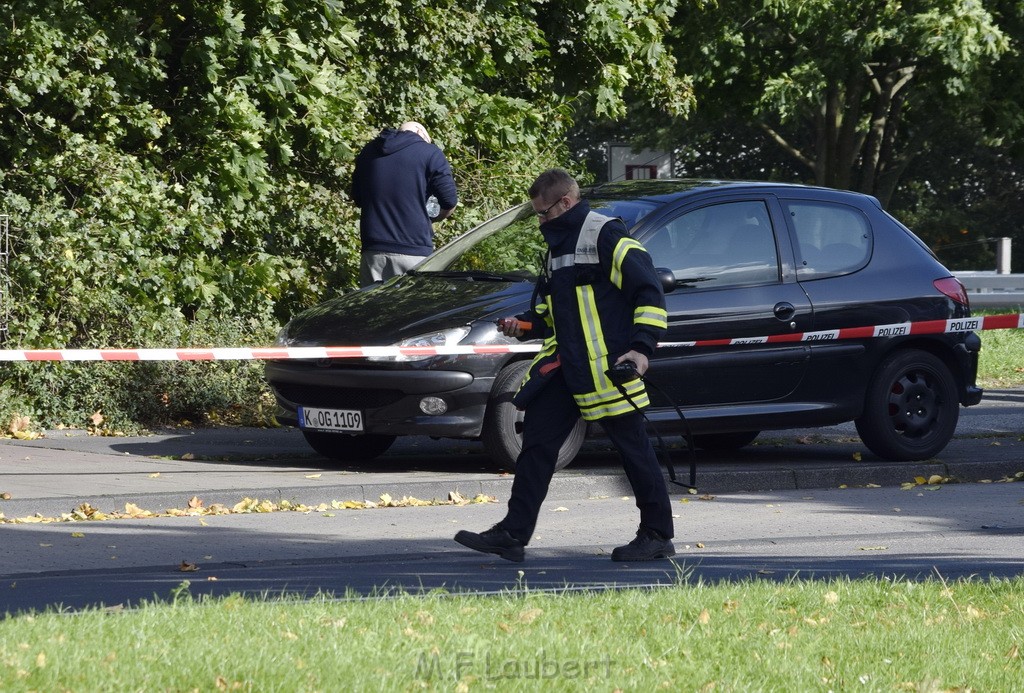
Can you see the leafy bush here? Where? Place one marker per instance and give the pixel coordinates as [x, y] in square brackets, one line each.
[125, 396]
[162, 160]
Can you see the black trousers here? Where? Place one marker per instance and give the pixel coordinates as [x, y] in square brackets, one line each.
[548, 419]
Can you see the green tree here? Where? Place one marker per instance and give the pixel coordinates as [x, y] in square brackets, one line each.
[849, 91]
[171, 161]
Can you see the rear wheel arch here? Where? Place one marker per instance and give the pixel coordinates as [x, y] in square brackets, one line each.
[939, 349]
[942, 351]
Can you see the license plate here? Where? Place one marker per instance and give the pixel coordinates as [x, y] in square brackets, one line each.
[349, 420]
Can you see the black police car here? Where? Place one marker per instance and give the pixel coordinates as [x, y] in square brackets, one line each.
[741, 262]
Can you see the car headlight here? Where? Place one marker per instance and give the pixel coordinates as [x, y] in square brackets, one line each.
[434, 339]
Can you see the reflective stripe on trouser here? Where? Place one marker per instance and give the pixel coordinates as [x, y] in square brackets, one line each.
[548, 420]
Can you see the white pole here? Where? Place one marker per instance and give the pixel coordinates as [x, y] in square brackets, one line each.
[1003, 256]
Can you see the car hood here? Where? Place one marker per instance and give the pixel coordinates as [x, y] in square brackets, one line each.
[404, 307]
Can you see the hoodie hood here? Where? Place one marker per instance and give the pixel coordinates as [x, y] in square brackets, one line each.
[391, 140]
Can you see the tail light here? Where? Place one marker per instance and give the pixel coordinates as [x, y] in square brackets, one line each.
[952, 287]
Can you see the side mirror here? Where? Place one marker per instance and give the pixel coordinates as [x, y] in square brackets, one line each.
[668, 279]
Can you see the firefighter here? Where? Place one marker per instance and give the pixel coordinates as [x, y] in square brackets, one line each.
[599, 303]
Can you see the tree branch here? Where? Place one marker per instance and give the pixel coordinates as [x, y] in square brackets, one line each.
[786, 146]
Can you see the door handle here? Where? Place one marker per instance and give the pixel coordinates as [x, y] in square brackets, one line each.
[784, 311]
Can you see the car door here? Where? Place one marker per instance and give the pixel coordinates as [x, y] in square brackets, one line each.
[734, 279]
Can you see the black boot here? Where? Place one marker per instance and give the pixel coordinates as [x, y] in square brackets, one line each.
[647, 546]
[495, 540]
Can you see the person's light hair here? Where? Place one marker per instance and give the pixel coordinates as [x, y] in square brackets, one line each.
[413, 126]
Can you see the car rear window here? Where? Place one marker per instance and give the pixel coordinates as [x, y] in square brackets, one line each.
[832, 239]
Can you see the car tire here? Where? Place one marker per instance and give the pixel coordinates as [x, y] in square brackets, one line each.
[911, 407]
[343, 447]
[724, 442]
[502, 431]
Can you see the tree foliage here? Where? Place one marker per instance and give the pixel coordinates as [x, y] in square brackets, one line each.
[163, 160]
[163, 157]
[916, 102]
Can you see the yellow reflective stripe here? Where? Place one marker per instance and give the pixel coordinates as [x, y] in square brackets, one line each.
[615, 408]
[611, 402]
[634, 388]
[651, 315]
[621, 248]
[593, 335]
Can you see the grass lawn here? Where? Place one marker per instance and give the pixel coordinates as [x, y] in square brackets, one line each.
[872, 635]
[1002, 359]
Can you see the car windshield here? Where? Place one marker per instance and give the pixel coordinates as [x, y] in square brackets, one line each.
[510, 245]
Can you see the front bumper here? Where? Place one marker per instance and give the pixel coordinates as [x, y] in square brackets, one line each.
[389, 399]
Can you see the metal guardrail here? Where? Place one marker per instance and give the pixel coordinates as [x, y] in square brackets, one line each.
[993, 290]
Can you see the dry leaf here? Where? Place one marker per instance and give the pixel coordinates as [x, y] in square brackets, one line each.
[187, 567]
[188, 456]
[96, 418]
[313, 476]
[18, 423]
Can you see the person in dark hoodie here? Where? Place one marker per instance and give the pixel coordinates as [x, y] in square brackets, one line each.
[395, 174]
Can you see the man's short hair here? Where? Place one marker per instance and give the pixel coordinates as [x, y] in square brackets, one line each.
[413, 126]
[554, 180]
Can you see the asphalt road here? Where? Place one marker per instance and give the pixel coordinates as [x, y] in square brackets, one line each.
[805, 503]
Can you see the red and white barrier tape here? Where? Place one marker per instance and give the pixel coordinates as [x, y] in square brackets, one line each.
[987, 322]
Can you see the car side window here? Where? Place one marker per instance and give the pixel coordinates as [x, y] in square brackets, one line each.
[832, 239]
[721, 245]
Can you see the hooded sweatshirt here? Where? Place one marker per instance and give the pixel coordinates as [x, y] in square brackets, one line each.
[395, 174]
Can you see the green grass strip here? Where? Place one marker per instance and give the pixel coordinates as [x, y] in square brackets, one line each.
[872, 635]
